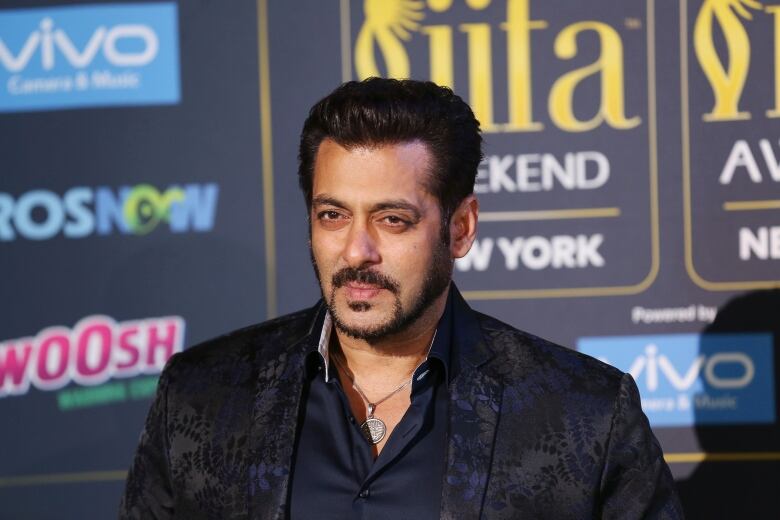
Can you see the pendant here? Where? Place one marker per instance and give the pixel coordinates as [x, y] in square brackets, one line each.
[373, 429]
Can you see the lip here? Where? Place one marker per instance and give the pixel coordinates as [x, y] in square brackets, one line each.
[361, 291]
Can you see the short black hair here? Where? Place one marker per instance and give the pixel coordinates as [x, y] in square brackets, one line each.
[378, 111]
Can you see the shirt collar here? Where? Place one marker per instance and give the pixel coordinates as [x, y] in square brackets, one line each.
[440, 349]
[442, 343]
[322, 348]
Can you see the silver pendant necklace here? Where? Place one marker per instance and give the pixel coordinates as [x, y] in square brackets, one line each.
[374, 428]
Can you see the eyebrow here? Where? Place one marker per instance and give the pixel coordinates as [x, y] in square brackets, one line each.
[326, 200]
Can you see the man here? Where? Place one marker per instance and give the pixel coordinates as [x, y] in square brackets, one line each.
[391, 398]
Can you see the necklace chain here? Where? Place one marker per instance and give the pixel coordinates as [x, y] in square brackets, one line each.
[372, 406]
[373, 428]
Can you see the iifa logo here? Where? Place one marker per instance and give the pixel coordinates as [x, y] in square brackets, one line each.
[61, 57]
[82, 211]
[395, 37]
[687, 379]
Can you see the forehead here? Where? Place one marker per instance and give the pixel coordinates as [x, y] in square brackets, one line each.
[372, 172]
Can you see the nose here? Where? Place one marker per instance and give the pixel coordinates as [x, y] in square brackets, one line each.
[361, 248]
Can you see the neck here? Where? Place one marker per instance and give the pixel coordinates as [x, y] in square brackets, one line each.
[386, 361]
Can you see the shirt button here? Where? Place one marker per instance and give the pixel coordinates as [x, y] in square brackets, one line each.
[364, 493]
[351, 419]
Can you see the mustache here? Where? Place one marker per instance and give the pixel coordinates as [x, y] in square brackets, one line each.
[352, 274]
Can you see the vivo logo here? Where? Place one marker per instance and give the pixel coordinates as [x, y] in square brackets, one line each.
[50, 42]
[687, 379]
[89, 55]
[653, 365]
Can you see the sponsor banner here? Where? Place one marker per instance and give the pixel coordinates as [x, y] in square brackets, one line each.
[688, 379]
[730, 58]
[89, 55]
[570, 174]
[81, 211]
[90, 354]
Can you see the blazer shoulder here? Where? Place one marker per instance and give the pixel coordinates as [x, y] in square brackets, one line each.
[249, 344]
[520, 356]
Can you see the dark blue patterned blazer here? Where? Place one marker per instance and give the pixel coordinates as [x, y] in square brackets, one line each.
[535, 430]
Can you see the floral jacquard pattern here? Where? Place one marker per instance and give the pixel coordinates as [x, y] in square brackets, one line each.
[475, 401]
[218, 440]
[570, 433]
[535, 430]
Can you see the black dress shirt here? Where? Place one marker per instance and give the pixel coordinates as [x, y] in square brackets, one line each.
[335, 475]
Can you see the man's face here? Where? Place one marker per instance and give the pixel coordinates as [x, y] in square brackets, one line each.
[376, 237]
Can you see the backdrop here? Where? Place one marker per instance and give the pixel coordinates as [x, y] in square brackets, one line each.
[148, 201]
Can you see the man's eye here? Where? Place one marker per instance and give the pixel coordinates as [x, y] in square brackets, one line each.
[329, 215]
[395, 221]
[332, 219]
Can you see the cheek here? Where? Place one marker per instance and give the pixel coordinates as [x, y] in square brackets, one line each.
[322, 247]
[328, 257]
[413, 262]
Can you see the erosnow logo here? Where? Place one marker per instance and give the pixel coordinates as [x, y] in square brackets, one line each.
[95, 350]
[89, 55]
[82, 211]
[687, 379]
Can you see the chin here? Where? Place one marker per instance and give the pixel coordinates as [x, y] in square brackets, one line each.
[363, 314]
[362, 320]
[371, 310]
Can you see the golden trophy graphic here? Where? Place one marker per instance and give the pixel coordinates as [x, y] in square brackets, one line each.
[728, 81]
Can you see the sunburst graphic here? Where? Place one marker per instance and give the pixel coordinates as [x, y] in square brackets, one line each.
[387, 22]
[739, 6]
[399, 16]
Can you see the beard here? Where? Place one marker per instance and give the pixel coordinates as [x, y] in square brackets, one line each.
[437, 278]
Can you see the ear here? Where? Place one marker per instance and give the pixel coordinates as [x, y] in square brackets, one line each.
[463, 226]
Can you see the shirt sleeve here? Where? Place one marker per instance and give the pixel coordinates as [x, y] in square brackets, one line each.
[148, 490]
[636, 482]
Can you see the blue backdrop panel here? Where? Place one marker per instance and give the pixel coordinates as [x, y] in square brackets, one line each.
[133, 213]
[148, 201]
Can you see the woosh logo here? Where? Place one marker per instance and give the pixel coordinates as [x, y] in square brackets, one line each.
[95, 350]
[82, 211]
[687, 379]
[93, 55]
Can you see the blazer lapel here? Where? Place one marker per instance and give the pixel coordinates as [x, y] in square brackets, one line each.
[475, 401]
[275, 419]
